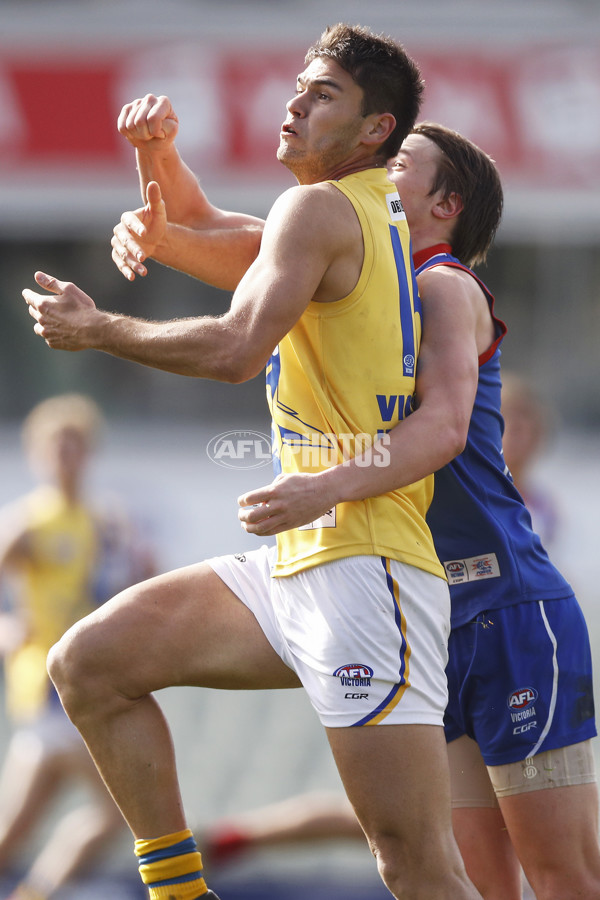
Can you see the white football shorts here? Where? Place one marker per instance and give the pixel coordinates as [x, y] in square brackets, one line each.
[366, 635]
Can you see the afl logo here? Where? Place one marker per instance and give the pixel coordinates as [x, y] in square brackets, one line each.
[522, 698]
[240, 449]
[454, 568]
[354, 670]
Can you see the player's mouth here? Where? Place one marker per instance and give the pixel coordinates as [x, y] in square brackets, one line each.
[287, 128]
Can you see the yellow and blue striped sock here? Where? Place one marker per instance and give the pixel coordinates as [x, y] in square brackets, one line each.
[171, 866]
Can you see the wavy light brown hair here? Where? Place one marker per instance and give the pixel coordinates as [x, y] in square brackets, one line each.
[390, 80]
[76, 412]
[466, 170]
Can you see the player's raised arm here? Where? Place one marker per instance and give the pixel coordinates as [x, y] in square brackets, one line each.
[220, 256]
[197, 247]
[296, 252]
[151, 125]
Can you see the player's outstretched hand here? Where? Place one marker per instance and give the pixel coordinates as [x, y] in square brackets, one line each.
[64, 317]
[149, 122]
[288, 502]
[138, 234]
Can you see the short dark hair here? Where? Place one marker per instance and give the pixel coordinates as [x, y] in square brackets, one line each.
[467, 170]
[390, 80]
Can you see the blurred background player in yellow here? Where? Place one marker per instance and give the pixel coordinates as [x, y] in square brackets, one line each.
[59, 557]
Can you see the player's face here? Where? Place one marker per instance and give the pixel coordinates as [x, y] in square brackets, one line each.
[413, 171]
[324, 122]
[64, 456]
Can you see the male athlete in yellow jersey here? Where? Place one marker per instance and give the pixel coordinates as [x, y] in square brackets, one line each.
[358, 610]
[510, 813]
[54, 562]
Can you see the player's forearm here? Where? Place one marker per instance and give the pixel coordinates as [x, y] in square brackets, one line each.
[417, 447]
[199, 348]
[185, 200]
[219, 257]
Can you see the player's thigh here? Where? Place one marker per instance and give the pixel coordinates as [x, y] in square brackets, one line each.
[470, 782]
[478, 824]
[553, 813]
[185, 627]
[396, 777]
[554, 826]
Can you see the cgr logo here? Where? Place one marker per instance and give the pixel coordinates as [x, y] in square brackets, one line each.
[522, 698]
[240, 449]
[521, 729]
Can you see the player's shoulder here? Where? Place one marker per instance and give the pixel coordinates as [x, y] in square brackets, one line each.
[307, 198]
[16, 523]
[317, 213]
[449, 278]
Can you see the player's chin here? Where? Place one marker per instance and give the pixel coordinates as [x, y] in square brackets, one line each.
[285, 153]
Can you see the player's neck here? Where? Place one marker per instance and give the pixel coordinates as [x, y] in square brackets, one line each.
[70, 490]
[340, 170]
[354, 167]
[422, 238]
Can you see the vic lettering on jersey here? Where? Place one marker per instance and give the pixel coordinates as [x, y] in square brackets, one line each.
[394, 404]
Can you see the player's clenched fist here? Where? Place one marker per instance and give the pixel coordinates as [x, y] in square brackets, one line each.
[64, 317]
[148, 121]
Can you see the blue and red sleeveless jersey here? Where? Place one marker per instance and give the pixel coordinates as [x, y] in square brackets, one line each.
[481, 527]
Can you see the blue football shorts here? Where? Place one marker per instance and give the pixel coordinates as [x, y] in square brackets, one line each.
[520, 680]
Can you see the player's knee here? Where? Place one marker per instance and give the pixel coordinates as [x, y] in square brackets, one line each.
[76, 672]
[388, 851]
[419, 869]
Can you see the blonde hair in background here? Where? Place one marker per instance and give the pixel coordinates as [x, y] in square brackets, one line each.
[75, 412]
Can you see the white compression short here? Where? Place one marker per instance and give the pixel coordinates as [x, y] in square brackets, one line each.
[366, 635]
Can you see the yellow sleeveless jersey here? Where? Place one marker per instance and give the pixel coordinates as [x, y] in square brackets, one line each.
[345, 374]
[54, 591]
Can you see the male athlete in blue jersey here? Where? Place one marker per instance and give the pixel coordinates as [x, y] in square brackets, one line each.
[520, 716]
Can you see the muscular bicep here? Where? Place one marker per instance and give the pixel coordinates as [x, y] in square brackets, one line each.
[295, 255]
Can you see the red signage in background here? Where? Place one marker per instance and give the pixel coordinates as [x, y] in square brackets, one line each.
[535, 112]
[255, 96]
[65, 111]
[474, 95]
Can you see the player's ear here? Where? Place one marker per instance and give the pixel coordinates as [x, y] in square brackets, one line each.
[378, 127]
[449, 207]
